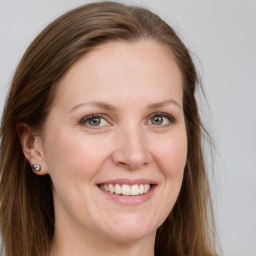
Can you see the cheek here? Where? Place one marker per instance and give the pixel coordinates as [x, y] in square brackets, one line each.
[73, 155]
[74, 161]
[172, 154]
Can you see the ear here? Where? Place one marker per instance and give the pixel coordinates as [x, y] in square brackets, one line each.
[32, 147]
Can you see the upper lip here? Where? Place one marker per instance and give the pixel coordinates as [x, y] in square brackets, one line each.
[129, 181]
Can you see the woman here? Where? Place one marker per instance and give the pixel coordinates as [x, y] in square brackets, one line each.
[101, 141]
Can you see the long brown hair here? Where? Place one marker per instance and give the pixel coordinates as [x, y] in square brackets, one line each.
[26, 204]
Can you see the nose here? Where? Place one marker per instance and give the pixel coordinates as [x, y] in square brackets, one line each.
[131, 150]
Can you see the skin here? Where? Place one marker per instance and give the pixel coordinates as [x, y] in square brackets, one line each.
[129, 78]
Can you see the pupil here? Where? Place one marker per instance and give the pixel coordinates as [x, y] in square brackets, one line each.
[95, 121]
[157, 120]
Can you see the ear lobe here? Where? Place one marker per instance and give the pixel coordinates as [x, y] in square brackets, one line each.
[32, 147]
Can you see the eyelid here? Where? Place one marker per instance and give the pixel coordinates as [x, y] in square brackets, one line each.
[105, 117]
[163, 114]
[86, 118]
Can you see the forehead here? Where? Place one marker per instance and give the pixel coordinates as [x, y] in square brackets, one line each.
[119, 68]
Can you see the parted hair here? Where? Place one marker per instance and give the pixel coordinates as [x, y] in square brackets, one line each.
[26, 202]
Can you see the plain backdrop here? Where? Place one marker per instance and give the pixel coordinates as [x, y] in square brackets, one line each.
[222, 37]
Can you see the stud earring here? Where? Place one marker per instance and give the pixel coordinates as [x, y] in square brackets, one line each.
[36, 167]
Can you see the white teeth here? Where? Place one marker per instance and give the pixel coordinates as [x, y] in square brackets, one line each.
[135, 190]
[125, 189]
[118, 189]
[106, 187]
[111, 188]
[146, 188]
[141, 189]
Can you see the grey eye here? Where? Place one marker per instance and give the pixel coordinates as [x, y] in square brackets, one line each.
[161, 119]
[94, 121]
[157, 120]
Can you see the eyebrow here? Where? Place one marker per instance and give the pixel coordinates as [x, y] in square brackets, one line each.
[164, 103]
[110, 107]
[98, 104]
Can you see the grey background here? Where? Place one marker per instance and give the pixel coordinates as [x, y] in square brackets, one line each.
[221, 34]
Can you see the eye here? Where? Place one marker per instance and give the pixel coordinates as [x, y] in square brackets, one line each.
[161, 119]
[94, 121]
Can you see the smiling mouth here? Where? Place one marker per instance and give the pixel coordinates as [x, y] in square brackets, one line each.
[126, 190]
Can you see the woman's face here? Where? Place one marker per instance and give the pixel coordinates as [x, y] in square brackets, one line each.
[115, 142]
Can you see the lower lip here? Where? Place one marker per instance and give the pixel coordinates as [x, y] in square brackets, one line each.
[130, 200]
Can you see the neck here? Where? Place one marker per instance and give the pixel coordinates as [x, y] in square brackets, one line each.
[62, 247]
[78, 244]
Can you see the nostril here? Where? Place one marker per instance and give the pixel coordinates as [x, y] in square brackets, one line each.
[132, 166]
[123, 164]
[131, 157]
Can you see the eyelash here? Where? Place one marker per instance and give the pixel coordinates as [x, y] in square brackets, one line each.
[90, 117]
[86, 119]
[170, 118]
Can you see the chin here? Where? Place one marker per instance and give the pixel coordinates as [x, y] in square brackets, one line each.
[131, 235]
[132, 229]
